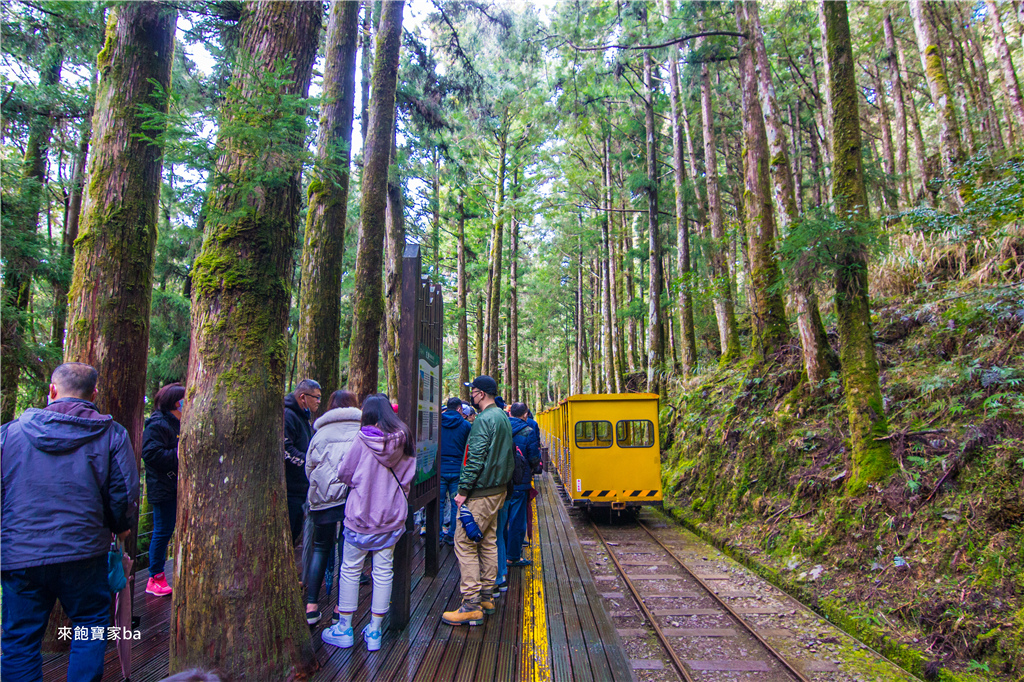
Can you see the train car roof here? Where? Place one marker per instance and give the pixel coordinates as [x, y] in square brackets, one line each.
[587, 397]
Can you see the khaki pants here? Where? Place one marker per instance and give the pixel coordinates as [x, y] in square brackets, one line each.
[478, 562]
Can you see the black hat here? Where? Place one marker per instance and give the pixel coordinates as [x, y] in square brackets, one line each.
[485, 384]
[500, 402]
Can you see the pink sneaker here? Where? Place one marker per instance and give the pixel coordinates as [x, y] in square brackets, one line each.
[158, 586]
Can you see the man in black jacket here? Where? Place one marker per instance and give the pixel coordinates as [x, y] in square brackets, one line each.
[451, 451]
[299, 407]
[69, 481]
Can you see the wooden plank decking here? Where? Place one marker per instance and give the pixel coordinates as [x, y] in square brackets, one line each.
[550, 625]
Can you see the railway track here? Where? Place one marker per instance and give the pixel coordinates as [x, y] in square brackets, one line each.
[678, 643]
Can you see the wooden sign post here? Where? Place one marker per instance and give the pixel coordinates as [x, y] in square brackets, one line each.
[419, 406]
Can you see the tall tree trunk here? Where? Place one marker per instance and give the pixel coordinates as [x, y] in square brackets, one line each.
[580, 342]
[324, 242]
[435, 210]
[513, 295]
[607, 352]
[632, 355]
[239, 610]
[479, 340]
[463, 290]
[655, 321]
[938, 86]
[988, 110]
[72, 218]
[896, 85]
[618, 368]
[394, 253]
[111, 288]
[924, 178]
[367, 300]
[888, 160]
[797, 158]
[769, 327]
[687, 337]
[1010, 83]
[872, 458]
[494, 263]
[728, 332]
[365, 66]
[21, 253]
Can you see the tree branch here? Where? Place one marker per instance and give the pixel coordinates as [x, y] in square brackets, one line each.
[675, 41]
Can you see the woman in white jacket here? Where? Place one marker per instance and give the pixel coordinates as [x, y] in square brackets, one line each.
[336, 431]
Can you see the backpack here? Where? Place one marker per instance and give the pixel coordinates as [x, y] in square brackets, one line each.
[522, 472]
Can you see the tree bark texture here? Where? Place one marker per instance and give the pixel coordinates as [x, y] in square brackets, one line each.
[368, 299]
[725, 312]
[896, 86]
[21, 253]
[513, 301]
[817, 355]
[111, 287]
[938, 86]
[607, 354]
[479, 336]
[655, 347]
[365, 66]
[769, 326]
[687, 336]
[464, 377]
[323, 246]
[236, 603]
[872, 459]
[394, 252]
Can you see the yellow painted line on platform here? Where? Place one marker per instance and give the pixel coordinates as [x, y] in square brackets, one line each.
[536, 663]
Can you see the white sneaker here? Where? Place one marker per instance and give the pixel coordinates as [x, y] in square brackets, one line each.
[344, 639]
[372, 639]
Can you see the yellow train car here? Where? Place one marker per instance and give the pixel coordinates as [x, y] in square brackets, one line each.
[605, 449]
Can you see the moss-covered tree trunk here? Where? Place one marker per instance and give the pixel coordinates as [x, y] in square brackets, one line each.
[687, 336]
[394, 251]
[111, 288]
[872, 458]
[938, 86]
[478, 338]
[725, 310]
[769, 326]
[607, 353]
[513, 297]
[463, 289]
[237, 606]
[22, 249]
[368, 299]
[324, 242]
[365, 65]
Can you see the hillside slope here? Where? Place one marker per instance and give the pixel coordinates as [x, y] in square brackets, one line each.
[934, 558]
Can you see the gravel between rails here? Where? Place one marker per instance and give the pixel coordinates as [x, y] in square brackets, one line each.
[815, 647]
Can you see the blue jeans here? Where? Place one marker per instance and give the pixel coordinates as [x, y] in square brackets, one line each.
[28, 597]
[502, 549]
[517, 522]
[164, 519]
[449, 489]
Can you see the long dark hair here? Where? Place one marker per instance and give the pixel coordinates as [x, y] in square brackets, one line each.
[377, 411]
[341, 398]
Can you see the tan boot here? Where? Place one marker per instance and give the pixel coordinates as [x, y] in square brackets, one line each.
[487, 604]
[467, 614]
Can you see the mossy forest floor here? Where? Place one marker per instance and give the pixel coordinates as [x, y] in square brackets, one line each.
[929, 565]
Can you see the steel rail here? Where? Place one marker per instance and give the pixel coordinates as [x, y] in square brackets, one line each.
[643, 607]
[800, 676]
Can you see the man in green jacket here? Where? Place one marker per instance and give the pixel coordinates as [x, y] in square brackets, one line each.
[490, 459]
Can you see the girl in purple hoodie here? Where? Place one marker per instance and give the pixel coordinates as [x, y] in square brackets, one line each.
[378, 471]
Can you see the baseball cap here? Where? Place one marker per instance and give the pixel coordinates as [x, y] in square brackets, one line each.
[485, 384]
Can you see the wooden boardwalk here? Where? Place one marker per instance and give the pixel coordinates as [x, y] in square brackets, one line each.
[550, 625]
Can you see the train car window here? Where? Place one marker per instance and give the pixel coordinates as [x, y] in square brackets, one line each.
[593, 434]
[635, 433]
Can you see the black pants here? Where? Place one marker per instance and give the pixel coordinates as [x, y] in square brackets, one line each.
[323, 547]
[296, 516]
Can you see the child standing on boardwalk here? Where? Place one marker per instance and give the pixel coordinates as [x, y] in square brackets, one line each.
[378, 471]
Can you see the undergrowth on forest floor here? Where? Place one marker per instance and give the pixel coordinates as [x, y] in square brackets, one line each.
[932, 557]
